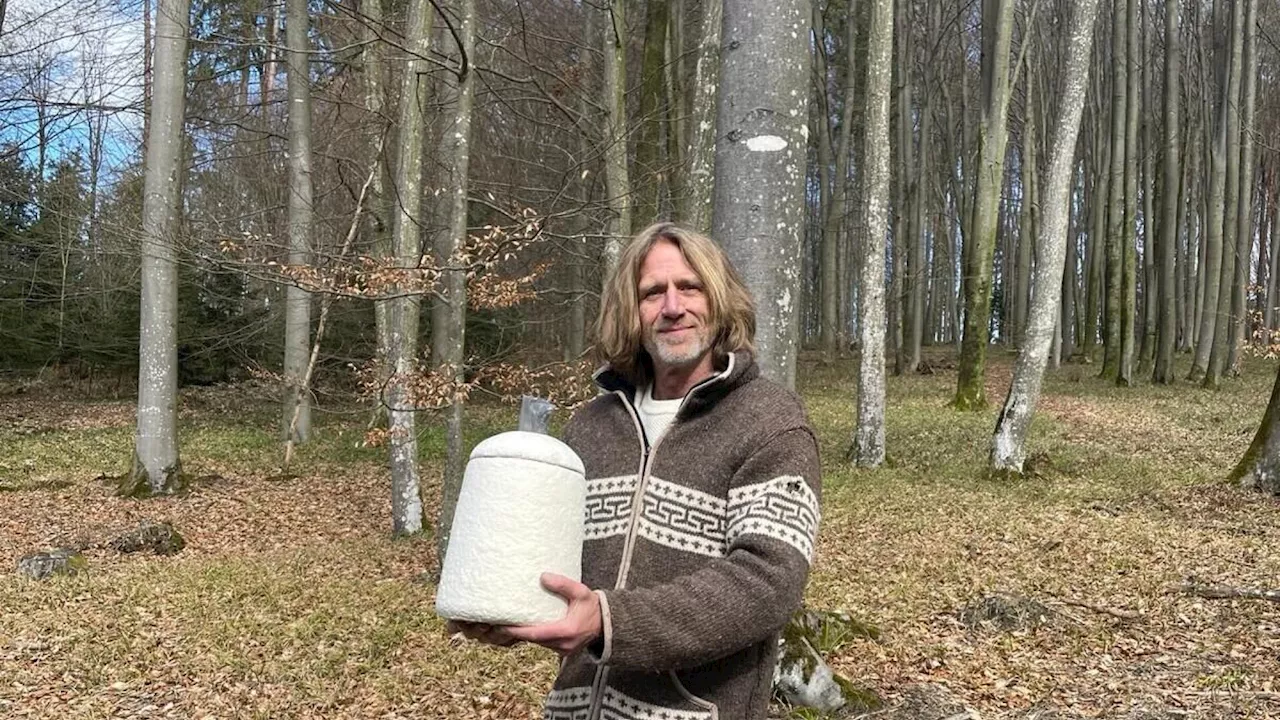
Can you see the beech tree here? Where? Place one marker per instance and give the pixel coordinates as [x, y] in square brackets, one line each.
[762, 122]
[448, 322]
[297, 333]
[617, 177]
[1260, 467]
[868, 448]
[1168, 238]
[997, 30]
[1008, 444]
[700, 179]
[156, 466]
[403, 306]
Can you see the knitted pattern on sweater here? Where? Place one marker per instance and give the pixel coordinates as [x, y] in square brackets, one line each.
[698, 546]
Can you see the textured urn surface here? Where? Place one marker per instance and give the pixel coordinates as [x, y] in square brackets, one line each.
[520, 514]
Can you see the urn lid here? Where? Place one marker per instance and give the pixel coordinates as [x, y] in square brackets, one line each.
[529, 446]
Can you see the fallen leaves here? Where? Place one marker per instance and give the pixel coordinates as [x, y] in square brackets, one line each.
[290, 600]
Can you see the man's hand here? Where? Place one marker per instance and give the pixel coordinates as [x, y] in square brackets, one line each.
[579, 626]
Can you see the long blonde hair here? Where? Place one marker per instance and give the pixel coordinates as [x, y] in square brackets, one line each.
[731, 313]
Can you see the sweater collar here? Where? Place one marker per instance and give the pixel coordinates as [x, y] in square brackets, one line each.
[738, 368]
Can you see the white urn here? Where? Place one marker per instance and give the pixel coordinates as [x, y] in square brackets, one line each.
[519, 514]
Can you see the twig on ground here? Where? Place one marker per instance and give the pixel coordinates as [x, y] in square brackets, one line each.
[1222, 592]
[1113, 612]
[1242, 694]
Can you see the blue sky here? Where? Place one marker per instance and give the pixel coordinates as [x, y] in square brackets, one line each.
[66, 55]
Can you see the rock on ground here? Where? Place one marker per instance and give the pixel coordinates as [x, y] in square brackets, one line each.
[61, 561]
[159, 538]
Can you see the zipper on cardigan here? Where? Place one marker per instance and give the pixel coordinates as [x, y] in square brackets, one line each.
[646, 463]
[628, 545]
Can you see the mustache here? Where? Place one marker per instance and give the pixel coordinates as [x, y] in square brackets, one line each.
[660, 327]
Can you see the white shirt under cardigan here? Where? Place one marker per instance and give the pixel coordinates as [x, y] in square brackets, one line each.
[655, 415]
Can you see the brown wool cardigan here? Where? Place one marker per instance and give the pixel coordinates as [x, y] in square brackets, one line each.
[699, 548]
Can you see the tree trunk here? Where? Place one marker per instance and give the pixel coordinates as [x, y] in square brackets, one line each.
[1211, 268]
[380, 210]
[1097, 249]
[1009, 441]
[1273, 274]
[1026, 229]
[449, 314]
[156, 467]
[1170, 193]
[1259, 469]
[700, 181]
[617, 179]
[580, 278]
[918, 271]
[1244, 214]
[1150, 291]
[1129, 284]
[760, 166]
[820, 119]
[297, 314]
[1066, 332]
[267, 82]
[148, 74]
[997, 29]
[868, 438]
[674, 117]
[406, 500]
[1222, 330]
[902, 226]
[1188, 200]
[1117, 231]
[835, 210]
[648, 160]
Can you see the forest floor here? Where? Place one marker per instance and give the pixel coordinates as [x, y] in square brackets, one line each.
[291, 601]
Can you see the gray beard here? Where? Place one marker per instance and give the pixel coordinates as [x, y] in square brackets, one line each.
[687, 355]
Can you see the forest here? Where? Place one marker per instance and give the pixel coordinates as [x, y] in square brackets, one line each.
[269, 269]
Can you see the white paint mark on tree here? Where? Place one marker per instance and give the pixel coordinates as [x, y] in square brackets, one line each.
[766, 143]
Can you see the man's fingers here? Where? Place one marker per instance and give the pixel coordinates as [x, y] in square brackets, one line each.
[567, 588]
[537, 633]
[500, 636]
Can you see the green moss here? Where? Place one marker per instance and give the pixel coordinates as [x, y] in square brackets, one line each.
[857, 700]
[137, 483]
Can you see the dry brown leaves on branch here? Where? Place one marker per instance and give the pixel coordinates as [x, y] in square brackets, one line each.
[485, 259]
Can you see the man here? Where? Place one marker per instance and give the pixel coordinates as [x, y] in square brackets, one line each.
[702, 502]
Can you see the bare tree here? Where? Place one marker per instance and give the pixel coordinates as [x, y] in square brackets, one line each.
[1224, 180]
[406, 502]
[617, 180]
[449, 313]
[1167, 247]
[648, 155]
[1260, 466]
[997, 30]
[1244, 211]
[297, 314]
[1117, 228]
[156, 467]
[1009, 442]
[868, 448]
[700, 181]
[834, 189]
[760, 165]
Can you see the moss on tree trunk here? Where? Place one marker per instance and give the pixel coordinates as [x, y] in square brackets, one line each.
[1260, 467]
[138, 483]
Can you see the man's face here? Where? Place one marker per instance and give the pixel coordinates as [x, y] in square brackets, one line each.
[673, 309]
